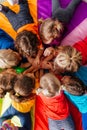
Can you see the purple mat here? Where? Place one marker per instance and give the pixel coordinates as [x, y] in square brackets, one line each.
[45, 11]
[44, 8]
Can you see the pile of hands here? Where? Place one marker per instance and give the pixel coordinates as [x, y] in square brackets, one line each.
[7, 125]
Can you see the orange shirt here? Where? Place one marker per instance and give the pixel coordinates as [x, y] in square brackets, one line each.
[33, 27]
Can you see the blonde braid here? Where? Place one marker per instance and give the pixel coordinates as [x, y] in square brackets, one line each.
[68, 58]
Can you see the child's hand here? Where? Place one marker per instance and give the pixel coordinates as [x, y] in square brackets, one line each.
[48, 51]
[36, 61]
[8, 125]
[46, 65]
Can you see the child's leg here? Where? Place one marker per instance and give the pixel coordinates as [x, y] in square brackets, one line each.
[24, 15]
[55, 6]
[71, 9]
[22, 18]
[11, 15]
[25, 119]
[64, 124]
[64, 15]
[8, 114]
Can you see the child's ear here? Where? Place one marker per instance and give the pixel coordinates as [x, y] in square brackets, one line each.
[40, 21]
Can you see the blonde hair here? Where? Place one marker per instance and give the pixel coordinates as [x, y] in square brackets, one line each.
[51, 83]
[68, 59]
[9, 58]
[50, 29]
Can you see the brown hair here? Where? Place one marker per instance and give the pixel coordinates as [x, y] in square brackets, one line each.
[6, 83]
[68, 59]
[23, 88]
[50, 29]
[9, 58]
[51, 84]
[27, 42]
[73, 85]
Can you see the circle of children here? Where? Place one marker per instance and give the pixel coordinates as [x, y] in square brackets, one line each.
[44, 64]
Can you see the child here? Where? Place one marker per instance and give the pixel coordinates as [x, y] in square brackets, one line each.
[65, 58]
[7, 79]
[51, 29]
[68, 59]
[27, 39]
[73, 58]
[9, 58]
[55, 104]
[74, 85]
[76, 91]
[21, 92]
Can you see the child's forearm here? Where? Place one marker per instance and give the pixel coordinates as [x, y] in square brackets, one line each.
[40, 53]
[50, 57]
[25, 65]
[30, 59]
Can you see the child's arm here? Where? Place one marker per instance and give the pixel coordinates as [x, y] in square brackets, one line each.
[30, 70]
[48, 51]
[45, 63]
[25, 65]
[10, 71]
[37, 59]
[48, 58]
[30, 59]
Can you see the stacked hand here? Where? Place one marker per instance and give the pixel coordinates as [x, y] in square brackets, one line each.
[7, 125]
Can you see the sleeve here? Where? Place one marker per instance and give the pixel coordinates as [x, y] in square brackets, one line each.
[81, 46]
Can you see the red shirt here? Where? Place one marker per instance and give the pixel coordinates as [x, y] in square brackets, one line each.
[82, 47]
[55, 108]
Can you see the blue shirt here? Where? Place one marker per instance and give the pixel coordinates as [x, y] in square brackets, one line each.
[6, 41]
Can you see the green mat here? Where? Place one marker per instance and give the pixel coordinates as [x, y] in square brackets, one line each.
[1, 100]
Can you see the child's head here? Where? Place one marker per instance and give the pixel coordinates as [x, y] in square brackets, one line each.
[23, 88]
[68, 59]
[50, 29]
[9, 58]
[49, 85]
[73, 85]
[6, 83]
[27, 43]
